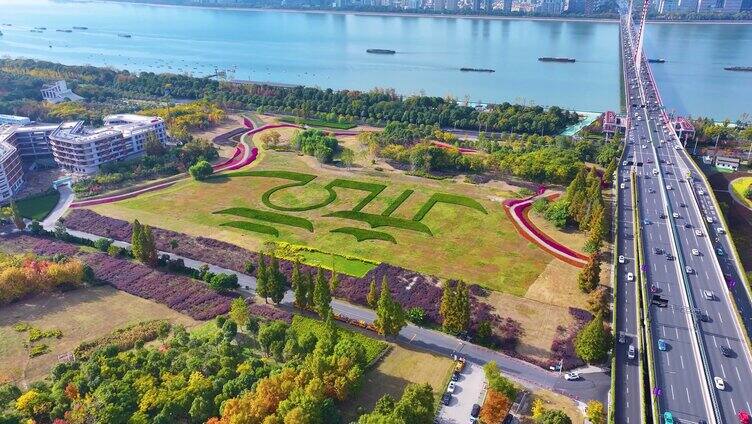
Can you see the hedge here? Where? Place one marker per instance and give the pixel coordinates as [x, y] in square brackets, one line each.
[318, 123]
[123, 338]
[376, 221]
[451, 199]
[362, 234]
[303, 325]
[253, 227]
[274, 217]
[396, 203]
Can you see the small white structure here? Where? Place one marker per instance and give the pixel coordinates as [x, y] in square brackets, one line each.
[59, 92]
[726, 162]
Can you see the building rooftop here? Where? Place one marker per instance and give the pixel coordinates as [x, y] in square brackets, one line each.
[123, 124]
[6, 131]
[727, 159]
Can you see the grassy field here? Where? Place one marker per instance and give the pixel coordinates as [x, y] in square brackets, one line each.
[553, 400]
[38, 207]
[81, 314]
[466, 244]
[401, 366]
[740, 185]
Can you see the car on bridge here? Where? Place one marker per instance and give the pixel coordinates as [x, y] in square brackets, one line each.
[630, 276]
[662, 346]
[668, 418]
[631, 352]
[622, 259]
[698, 233]
[707, 294]
[719, 383]
[689, 269]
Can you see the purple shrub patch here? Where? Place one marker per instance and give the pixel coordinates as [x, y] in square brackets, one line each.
[270, 313]
[22, 243]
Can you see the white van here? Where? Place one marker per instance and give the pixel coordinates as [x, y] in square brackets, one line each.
[655, 171]
[621, 185]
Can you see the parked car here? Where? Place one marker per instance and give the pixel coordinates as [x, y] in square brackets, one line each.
[450, 388]
[475, 411]
[455, 376]
[446, 398]
[719, 251]
[572, 376]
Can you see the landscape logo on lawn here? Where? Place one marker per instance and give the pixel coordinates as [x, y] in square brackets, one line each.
[385, 219]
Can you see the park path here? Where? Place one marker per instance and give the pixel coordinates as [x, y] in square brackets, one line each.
[517, 211]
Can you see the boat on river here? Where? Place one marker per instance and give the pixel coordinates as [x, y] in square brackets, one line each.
[739, 68]
[381, 51]
[557, 59]
[476, 70]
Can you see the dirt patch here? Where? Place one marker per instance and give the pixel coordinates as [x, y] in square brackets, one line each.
[557, 285]
[401, 366]
[553, 400]
[81, 314]
[539, 322]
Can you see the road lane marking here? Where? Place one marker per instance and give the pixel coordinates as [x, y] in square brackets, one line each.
[672, 393]
[681, 359]
[723, 371]
[737, 374]
[733, 408]
[720, 317]
[688, 399]
[715, 342]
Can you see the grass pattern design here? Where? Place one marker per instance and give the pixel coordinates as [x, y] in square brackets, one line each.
[252, 227]
[375, 190]
[362, 234]
[396, 203]
[273, 217]
[451, 199]
[376, 221]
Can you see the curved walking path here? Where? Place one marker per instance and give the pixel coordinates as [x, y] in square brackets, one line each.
[517, 210]
[736, 197]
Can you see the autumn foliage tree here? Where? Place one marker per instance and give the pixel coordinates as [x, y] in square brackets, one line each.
[590, 276]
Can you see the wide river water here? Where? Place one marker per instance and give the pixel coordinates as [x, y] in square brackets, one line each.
[329, 50]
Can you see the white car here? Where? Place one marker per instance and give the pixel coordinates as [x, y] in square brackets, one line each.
[644, 146]
[707, 294]
[621, 259]
[700, 192]
[451, 387]
[668, 187]
[695, 252]
[572, 376]
[719, 383]
[720, 230]
[675, 215]
[698, 233]
[630, 276]
[709, 219]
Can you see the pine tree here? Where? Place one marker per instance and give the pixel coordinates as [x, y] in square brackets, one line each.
[455, 308]
[333, 281]
[136, 239]
[373, 294]
[609, 173]
[596, 233]
[593, 341]
[322, 296]
[310, 302]
[390, 318]
[589, 277]
[262, 286]
[463, 306]
[275, 282]
[298, 286]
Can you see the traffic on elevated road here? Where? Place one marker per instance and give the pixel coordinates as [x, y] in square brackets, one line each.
[691, 279]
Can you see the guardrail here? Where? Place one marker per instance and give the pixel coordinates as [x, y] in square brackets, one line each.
[646, 332]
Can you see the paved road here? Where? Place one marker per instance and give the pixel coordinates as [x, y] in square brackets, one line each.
[593, 385]
[674, 206]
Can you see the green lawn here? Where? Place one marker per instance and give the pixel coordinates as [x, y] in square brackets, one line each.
[318, 123]
[451, 240]
[303, 325]
[38, 207]
[739, 186]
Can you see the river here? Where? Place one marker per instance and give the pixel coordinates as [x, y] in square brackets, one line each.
[329, 50]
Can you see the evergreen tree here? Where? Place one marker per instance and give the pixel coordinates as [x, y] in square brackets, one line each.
[262, 286]
[390, 318]
[239, 312]
[299, 286]
[590, 276]
[577, 185]
[136, 239]
[373, 294]
[148, 247]
[455, 307]
[333, 281]
[593, 342]
[275, 282]
[310, 302]
[608, 175]
[322, 296]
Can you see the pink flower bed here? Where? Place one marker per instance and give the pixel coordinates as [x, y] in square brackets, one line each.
[22, 243]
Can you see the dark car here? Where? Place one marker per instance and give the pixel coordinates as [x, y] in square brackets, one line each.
[682, 204]
[446, 398]
[659, 301]
[687, 225]
[725, 351]
[704, 317]
[657, 250]
[669, 256]
[455, 376]
[663, 216]
[475, 412]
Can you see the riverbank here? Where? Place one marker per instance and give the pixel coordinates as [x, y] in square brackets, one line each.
[428, 15]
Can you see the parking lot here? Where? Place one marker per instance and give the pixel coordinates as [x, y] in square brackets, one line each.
[466, 393]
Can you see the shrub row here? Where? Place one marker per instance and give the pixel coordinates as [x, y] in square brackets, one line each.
[451, 199]
[318, 123]
[376, 221]
[361, 234]
[303, 325]
[396, 203]
[274, 217]
[252, 227]
[124, 338]
[373, 188]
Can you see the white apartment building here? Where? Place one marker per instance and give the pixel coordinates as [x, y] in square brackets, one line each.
[57, 92]
[82, 150]
[11, 173]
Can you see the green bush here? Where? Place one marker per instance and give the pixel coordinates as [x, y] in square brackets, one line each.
[274, 217]
[38, 350]
[416, 315]
[252, 227]
[124, 338]
[36, 334]
[361, 234]
[318, 123]
[200, 170]
[448, 198]
[103, 244]
[224, 282]
[376, 221]
[396, 203]
[303, 325]
[316, 143]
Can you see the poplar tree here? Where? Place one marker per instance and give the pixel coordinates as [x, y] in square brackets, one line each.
[373, 294]
[322, 296]
[455, 308]
[148, 246]
[136, 239]
[298, 286]
[262, 288]
[333, 281]
[589, 277]
[390, 317]
[309, 302]
[275, 282]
